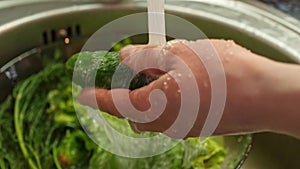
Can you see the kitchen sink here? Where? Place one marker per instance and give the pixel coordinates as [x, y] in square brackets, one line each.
[30, 26]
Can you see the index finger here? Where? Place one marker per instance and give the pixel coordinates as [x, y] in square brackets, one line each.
[135, 104]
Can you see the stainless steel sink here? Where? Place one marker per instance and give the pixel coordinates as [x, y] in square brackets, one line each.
[31, 25]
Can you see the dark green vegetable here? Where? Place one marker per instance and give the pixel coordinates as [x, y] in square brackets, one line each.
[31, 143]
[74, 149]
[189, 154]
[39, 128]
[98, 69]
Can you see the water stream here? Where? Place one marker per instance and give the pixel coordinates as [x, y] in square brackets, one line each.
[156, 22]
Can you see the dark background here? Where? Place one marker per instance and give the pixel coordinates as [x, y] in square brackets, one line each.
[291, 7]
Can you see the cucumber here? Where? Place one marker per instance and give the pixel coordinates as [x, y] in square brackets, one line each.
[83, 65]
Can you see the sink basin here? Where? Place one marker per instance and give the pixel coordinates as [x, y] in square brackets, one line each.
[29, 26]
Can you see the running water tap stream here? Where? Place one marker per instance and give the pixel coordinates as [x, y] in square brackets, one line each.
[156, 22]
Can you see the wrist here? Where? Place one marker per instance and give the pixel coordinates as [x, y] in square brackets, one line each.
[280, 92]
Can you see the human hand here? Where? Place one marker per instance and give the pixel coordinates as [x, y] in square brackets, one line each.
[183, 71]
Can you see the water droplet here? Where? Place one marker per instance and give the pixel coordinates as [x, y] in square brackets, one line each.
[164, 53]
[179, 74]
[178, 91]
[230, 41]
[168, 78]
[166, 86]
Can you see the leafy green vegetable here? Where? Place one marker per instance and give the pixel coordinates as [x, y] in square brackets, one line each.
[46, 133]
[9, 149]
[61, 105]
[105, 64]
[209, 154]
[39, 128]
[118, 46]
[74, 149]
[23, 134]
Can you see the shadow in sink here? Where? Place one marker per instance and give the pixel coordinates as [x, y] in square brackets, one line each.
[274, 151]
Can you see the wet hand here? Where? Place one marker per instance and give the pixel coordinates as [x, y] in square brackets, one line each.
[179, 101]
